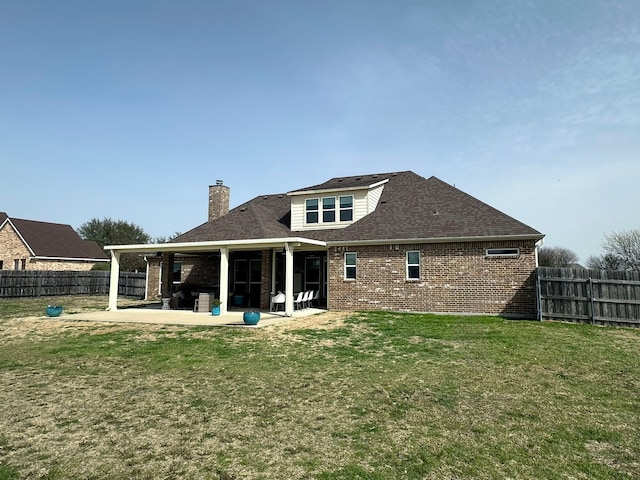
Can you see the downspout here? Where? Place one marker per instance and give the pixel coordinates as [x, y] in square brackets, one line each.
[113, 283]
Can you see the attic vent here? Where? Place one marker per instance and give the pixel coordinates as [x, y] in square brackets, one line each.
[243, 209]
[358, 178]
[394, 174]
[340, 179]
[265, 198]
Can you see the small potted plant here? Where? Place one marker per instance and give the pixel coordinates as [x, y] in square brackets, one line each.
[215, 307]
[251, 317]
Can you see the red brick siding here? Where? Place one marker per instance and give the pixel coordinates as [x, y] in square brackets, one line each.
[454, 277]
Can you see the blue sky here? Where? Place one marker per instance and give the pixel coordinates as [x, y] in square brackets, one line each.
[131, 109]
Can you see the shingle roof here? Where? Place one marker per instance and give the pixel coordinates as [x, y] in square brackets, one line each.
[411, 207]
[56, 240]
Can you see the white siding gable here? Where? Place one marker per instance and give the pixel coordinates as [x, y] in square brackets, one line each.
[365, 200]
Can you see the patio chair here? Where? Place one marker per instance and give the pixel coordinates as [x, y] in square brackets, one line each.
[315, 298]
[306, 301]
[298, 302]
[276, 300]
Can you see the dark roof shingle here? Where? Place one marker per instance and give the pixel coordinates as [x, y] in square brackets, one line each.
[56, 240]
[411, 207]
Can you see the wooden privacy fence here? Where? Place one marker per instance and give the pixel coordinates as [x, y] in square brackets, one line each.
[602, 297]
[35, 283]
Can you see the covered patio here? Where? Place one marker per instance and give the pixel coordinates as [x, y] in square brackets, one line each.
[284, 246]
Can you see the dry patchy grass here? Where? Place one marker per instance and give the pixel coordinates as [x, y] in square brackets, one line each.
[331, 396]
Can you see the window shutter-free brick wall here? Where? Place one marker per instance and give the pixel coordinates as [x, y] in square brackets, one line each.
[454, 278]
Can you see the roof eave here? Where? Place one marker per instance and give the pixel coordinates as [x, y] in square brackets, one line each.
[215, 245]
[70, 259]
[391, 241]
[339, 189]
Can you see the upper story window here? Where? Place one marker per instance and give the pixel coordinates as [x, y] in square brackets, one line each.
[329, 209]
[311, 207]
[346, 208]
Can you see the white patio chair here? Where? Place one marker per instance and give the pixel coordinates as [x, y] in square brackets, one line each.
[297, 303]
[315, 298]
[276, 300]
[306, 301]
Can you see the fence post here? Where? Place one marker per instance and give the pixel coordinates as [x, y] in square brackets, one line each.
[539, 296]
[592, 314]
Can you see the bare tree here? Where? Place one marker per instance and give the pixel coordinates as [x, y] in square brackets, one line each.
[606, 261]
[626, 247]
[556, 257]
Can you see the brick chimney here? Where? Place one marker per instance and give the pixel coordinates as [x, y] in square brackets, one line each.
[218, 200]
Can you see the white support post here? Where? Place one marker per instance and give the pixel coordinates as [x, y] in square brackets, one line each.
[224, 280]
[288, 279]
[113, 283]
[273, 272]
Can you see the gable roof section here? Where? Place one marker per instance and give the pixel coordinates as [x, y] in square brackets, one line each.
[410, 208]
[263, 217]
[56, 240]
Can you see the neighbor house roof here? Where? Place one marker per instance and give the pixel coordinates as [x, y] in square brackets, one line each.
[411, 208]
[55, 240]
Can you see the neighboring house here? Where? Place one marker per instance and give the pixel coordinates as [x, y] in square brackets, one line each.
[389, 241]
[32, 245]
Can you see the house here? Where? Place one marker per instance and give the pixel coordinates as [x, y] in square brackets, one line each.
[33, 245]
[388, 241]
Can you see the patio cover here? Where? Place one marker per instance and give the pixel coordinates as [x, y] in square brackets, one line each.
[224, 247]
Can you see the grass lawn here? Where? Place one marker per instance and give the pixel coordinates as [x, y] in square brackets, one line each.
[334, 396]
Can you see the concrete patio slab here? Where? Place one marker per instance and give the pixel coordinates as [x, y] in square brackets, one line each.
[186, 317]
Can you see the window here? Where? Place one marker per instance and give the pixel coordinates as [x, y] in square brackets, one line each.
[1, 264]
[312, 210]
[502, 252]
[177, 272]
[413, 265]
[346, 208]
[350, 260]
[328, 209]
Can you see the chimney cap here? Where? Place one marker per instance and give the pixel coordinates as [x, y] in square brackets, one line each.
[219, 182]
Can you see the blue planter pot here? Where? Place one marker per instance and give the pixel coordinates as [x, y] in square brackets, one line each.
[215, 311]
[251, 318]
[53, 311]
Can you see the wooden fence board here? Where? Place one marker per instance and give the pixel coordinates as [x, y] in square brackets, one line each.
[36, 283]
[596, 296]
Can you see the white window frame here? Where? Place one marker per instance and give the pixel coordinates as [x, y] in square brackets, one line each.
[345, 209]
[316, 211]
[408, 277]
[354, 266]
[328, 210]
[509, 252]
[337, 210]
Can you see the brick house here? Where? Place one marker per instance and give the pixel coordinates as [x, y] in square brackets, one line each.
[388, 241]
[33, 245]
